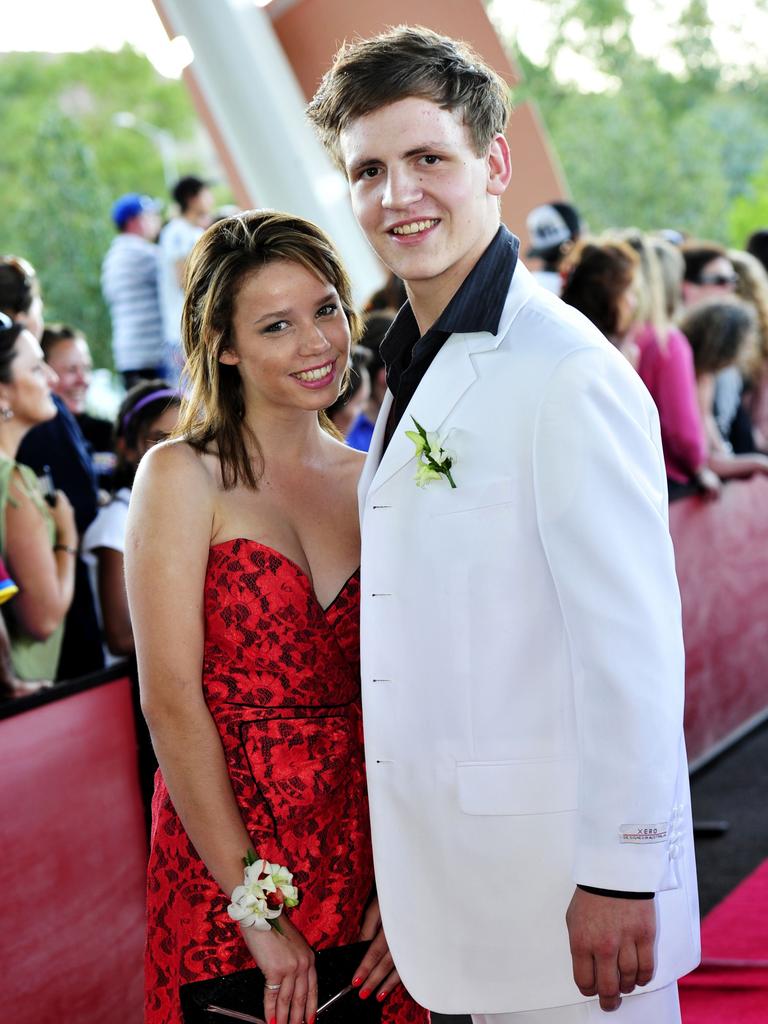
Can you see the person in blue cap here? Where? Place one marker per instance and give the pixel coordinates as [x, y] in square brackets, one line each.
[129, 283]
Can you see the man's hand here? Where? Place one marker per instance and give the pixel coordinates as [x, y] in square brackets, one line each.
[611, 945]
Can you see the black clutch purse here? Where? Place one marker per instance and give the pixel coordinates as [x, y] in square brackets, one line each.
[241, 994]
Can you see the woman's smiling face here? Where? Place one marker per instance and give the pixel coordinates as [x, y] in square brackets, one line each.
[289, 338]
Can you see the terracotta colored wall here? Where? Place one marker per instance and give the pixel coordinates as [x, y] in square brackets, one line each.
[311, 31]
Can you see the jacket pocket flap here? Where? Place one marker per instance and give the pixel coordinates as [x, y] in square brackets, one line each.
[475, 496]
[517, 787]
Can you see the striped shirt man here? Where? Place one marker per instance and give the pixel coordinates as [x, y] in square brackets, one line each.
[129, 282]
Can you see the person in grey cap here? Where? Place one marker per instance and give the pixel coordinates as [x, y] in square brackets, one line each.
[129, 283]
[553, 228]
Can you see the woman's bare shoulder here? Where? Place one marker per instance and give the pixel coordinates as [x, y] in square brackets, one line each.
[176, 462]
[345, 458]
[173, 476]
[174, 495]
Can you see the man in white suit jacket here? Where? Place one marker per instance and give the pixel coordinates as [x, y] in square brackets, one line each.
[522, 660]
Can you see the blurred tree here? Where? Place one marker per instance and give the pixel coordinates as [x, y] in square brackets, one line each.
[64, 162]
[749, 211]
[58, 223]
[670, 140]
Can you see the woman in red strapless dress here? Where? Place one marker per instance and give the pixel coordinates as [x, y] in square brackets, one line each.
[241, 567]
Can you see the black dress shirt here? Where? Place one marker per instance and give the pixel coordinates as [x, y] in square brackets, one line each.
[476, 306]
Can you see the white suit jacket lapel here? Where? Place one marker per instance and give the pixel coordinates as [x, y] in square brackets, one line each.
[446, 380]
[449, 376]
[373, 458]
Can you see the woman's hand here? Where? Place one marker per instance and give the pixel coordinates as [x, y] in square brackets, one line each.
[288, 961]
[708, 482]
[63, 516]
[377, 970]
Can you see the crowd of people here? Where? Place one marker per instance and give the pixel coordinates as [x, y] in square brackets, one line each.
[66, 474]
[690, 316]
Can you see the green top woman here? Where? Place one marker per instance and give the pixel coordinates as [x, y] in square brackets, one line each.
[38, 542]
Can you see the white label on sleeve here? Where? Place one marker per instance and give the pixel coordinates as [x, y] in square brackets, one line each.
[654, 833]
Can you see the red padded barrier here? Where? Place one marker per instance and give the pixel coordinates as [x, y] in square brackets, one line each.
[72, 872]
[721, 550]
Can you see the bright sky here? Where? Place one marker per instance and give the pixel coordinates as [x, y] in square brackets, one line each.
[741, 34]
[62, 26]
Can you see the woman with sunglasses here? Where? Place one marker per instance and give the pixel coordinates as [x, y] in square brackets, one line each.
[710, 274]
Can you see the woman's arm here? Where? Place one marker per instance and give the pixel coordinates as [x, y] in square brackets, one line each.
[45, 576]
[730, 467]
[166, 554]
[721, 461]
[114, 602]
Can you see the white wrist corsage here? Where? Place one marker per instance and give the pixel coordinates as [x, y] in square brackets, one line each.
[266, 889]
[434, 460]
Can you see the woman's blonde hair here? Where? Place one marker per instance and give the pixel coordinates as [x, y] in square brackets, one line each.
[213, 411]
[752, 286]
[651, 305]
[672, 267]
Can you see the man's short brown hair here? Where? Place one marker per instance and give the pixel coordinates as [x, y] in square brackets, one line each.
[409, 61]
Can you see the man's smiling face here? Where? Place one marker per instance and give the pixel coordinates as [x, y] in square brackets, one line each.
[425, 199]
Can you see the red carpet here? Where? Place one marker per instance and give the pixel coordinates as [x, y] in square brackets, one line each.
[731, 985]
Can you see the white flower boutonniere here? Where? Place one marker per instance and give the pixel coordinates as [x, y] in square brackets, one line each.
[434, 460]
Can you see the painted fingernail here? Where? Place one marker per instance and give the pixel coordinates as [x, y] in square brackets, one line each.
[312, 1019]
[357, 982]
[364, 993]
[382, 996]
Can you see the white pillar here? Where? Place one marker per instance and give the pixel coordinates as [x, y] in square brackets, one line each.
[257, 104]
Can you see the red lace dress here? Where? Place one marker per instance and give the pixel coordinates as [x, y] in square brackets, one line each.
[281, 680]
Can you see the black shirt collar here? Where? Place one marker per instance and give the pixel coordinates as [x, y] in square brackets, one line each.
[476, 306]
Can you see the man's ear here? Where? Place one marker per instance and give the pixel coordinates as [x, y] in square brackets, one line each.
[499, 166]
